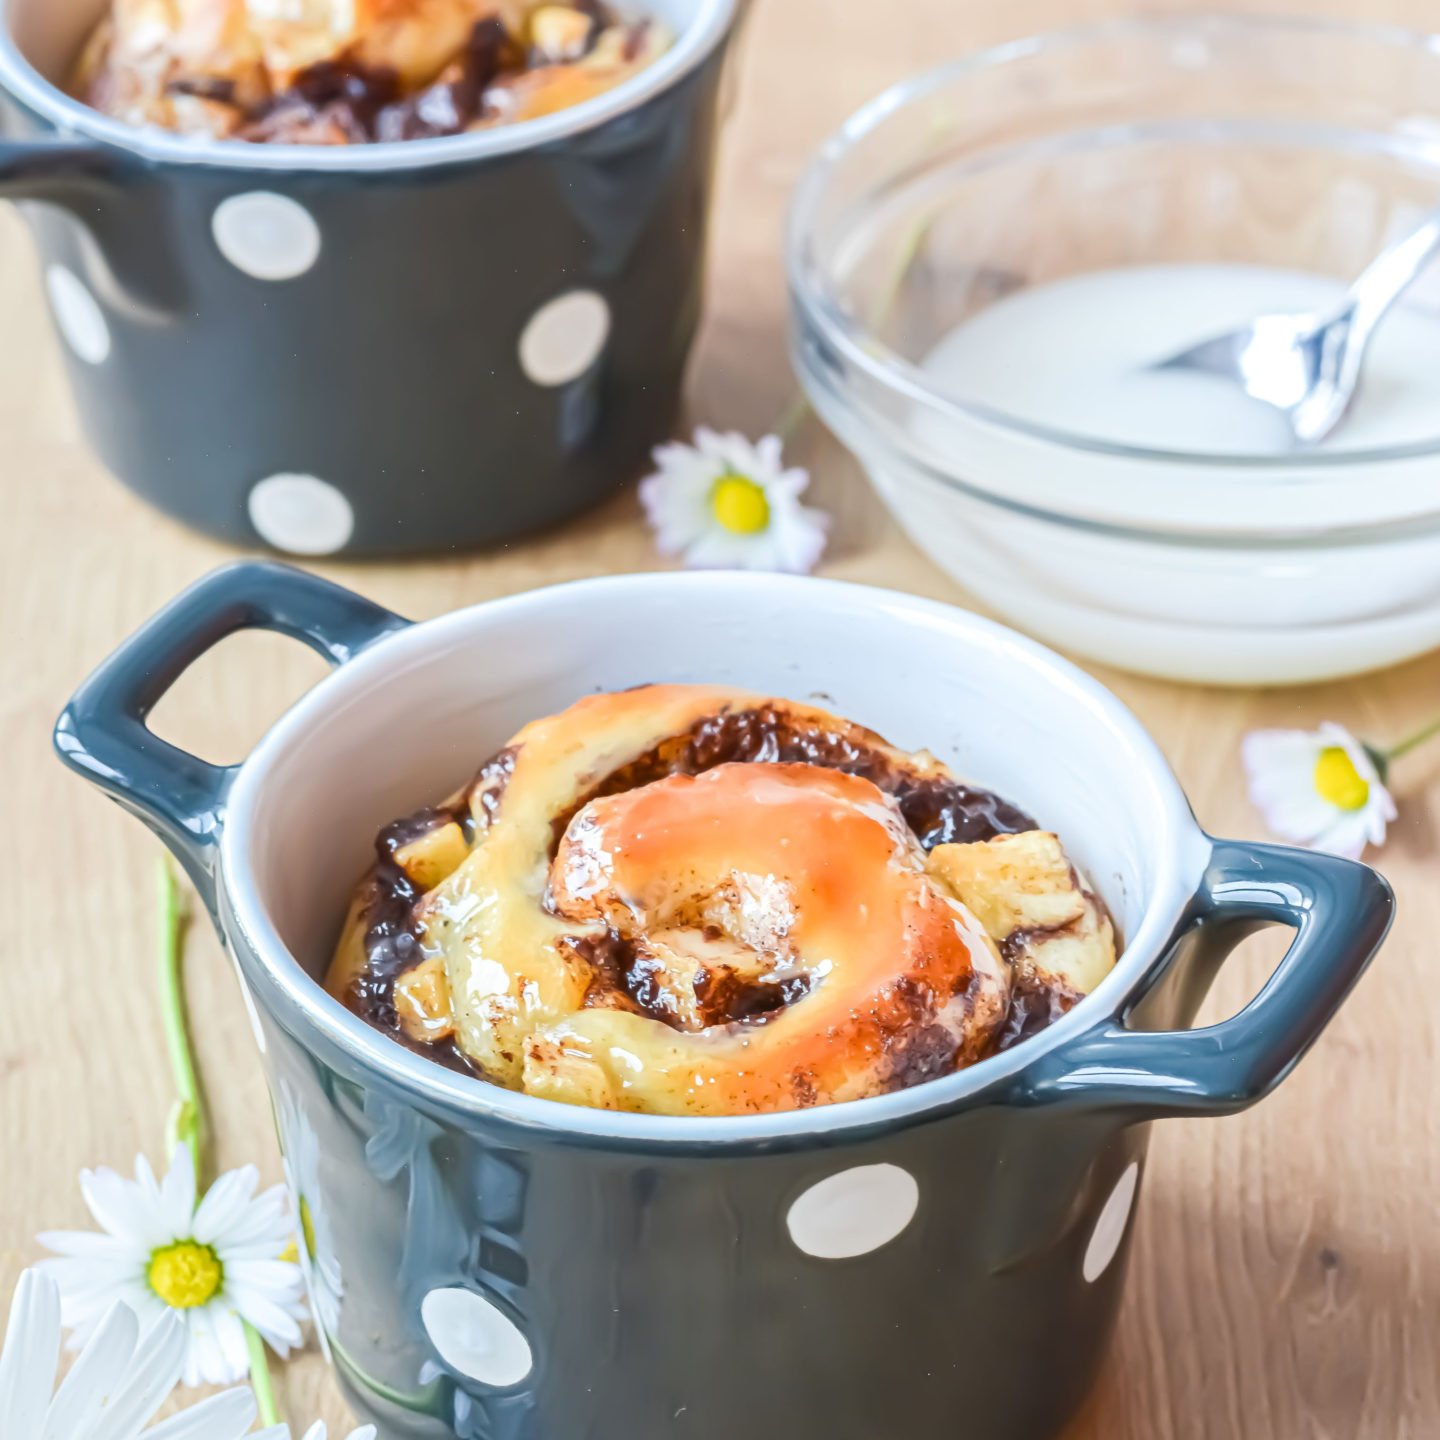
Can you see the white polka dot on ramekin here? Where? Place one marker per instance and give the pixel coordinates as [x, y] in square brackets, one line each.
[474, 1338]
[78, 315]
[564, 337]
[268, 236]
[301, 514]
[854, 1212]
[1110, 1227]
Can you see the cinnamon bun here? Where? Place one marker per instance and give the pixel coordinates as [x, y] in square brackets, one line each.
[693, 900]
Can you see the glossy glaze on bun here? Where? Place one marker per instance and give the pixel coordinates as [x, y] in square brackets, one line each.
[693, 900]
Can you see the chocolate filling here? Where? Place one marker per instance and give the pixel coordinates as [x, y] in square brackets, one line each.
[392, 933]
[628, 977]
[1034, 1006]
[939, 810]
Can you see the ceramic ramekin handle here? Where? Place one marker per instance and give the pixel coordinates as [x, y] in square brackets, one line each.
[1340, 912]
[102, 731]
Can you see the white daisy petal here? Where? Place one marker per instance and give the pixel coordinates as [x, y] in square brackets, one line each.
[222, 1417]
[708, 442]
[724, 528]
[120, 1207]
[87, 1284]
[216, 1261]
[1303, 797]
[769, 451]
[1297, 813]
[87, 1245]
[207, 1361]
[800, 536]
[30, 1356]
[677, 500]
[177, 1195]
[148, 1385]
[223, 1207]
[273, 1277]
[1280, 765]
[1346, 837]
[315, 1432]
[264, 1225]
[95, 1376]
[269, 1318]
[118, 1383]
[740, 457]
[149, 1196]
[1266, 751]
[235, 1351]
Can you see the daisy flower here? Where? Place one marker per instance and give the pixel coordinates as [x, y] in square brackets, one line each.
[315, 1432]
[216, 1264]
[115, 1387]
[310, 1216]
[1321, 788]
[725, 503]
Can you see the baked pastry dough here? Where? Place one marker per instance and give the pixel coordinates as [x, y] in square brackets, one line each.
[788, 892]
[1052, 930]
[695, 900]
[350, 71]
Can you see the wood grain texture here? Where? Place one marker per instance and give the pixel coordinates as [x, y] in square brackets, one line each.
[1286, 1273]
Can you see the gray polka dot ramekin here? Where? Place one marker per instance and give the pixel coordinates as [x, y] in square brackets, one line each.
[946, 1260]
[402, 347]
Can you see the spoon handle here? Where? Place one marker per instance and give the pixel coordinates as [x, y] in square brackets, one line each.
[1383, 281]
[1344, 339]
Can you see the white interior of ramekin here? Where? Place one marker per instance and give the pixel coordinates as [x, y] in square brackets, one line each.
[40, 41]
[409, 720]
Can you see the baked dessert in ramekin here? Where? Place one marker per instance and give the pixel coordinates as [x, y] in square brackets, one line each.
[693, 900]
[323, 72]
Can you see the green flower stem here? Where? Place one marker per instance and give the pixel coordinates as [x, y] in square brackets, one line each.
[1412, 741]
[187, 1125]
[260, 1380]
[187, 1119]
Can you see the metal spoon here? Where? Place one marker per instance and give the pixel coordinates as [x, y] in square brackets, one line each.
[1308, 366]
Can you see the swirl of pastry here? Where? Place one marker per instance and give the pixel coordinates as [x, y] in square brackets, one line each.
[792, 937]
[688, 899]
[510, 961]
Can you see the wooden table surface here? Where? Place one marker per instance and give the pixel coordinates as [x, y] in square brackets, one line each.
[1286, 1273]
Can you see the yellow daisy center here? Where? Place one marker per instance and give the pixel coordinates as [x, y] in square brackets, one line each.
[186, 1275]
[1338, 781]
[739, 504]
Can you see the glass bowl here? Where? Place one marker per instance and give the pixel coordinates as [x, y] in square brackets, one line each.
[1298, 144]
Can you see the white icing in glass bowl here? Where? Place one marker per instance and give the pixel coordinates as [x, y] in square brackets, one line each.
[1292, 144]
